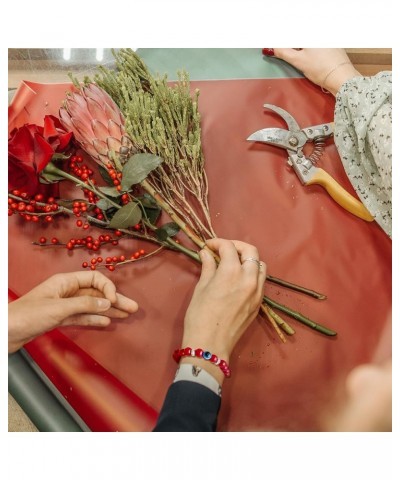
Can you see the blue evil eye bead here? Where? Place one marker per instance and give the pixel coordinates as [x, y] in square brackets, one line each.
[207, 355]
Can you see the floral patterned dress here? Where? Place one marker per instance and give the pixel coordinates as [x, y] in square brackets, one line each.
[363, 136]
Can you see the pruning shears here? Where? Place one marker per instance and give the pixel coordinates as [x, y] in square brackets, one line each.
[293, 141]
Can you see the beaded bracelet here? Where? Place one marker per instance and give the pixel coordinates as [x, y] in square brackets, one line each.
[199, 353]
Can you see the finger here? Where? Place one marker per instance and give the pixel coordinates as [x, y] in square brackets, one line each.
[82, 305]
[70, 283]
[249, 252]
[123, 303]
[261, 278]
[126, 304]
[208, 267]
[226, 251]
[87, 320]
[287, 54]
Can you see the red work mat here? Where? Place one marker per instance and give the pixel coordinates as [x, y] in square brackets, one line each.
[302, 235]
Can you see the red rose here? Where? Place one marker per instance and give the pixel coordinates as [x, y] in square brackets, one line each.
[30, 149]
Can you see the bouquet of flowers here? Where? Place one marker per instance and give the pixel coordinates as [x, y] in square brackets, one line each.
[131, 142]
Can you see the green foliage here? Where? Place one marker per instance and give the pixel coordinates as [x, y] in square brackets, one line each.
[127, 216]
[137, 168]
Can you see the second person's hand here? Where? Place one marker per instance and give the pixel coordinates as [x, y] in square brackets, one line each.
[226, 300]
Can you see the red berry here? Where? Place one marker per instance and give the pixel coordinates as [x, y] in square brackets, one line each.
[122, 258]
[85, 264]
[54, 240]
[142, 252]
[79, 223]
[93, 261]
[99, 259]
[39, 197]
[136, 255]
[42, 240]
[92, 267]
[111, 267]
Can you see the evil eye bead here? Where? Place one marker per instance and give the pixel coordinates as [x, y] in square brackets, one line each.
[207, 355]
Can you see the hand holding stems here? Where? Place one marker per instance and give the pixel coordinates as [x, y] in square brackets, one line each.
[327, 67]
[226, 300]
[77, 298]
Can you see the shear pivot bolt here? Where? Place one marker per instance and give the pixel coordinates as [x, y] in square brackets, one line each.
[293, 141]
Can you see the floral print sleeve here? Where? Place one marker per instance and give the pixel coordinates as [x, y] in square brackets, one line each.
[363, 136]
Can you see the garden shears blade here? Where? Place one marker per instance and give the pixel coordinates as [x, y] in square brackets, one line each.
[293, 140]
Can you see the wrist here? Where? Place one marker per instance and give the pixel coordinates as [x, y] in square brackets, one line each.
[338, 76]
[210, 368]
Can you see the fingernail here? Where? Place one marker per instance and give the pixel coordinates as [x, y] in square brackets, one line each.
[268, 51]
[103, 303]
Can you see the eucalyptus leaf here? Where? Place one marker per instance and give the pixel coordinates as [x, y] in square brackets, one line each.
[152, 214]
[110, 191]
[127, 216]
[104, 204]
[167, 230]
[147, 201]
[105, 176]
[50, 178]
[137, 168]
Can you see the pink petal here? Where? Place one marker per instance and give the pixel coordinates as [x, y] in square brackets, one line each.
[114, 129]
[100, 130]
[114, 115]
[96, 111]
[83, 129]
[100, 146]
[113, 144]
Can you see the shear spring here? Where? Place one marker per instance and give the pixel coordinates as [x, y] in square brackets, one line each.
[319, 147]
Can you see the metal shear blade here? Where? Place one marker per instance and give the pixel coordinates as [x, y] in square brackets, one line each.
[293, 141]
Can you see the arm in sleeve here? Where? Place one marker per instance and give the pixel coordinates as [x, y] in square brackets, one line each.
[188, 407]
[363, 136]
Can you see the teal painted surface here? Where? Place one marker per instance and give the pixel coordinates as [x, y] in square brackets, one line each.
[215, 63]
[38, 402]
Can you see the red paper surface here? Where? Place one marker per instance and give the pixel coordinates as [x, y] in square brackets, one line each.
[302, 235]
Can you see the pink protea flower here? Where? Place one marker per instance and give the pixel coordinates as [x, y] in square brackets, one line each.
[97, 123]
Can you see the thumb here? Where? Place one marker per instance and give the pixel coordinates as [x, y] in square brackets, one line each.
[208, 266]
[287, 54]
[83, 304]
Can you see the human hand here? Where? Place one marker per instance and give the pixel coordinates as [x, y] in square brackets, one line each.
[78, 298]
[225, 301]
[327, 67]
[368, 402]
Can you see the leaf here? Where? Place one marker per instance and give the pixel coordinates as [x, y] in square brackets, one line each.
[105, 176]
[50, 177]
[167, 230]
[152, 214]
[104, 204]
[127, 216]
[147, 201]
[110, 191]
[137, 168]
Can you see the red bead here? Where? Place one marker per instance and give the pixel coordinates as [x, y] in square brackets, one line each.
[213, 358]
[198, 352]
[187, 351]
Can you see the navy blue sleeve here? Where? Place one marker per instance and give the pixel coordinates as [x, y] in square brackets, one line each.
[188, 407]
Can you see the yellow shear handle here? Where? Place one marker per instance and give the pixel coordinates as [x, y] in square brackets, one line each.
[340, 195]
